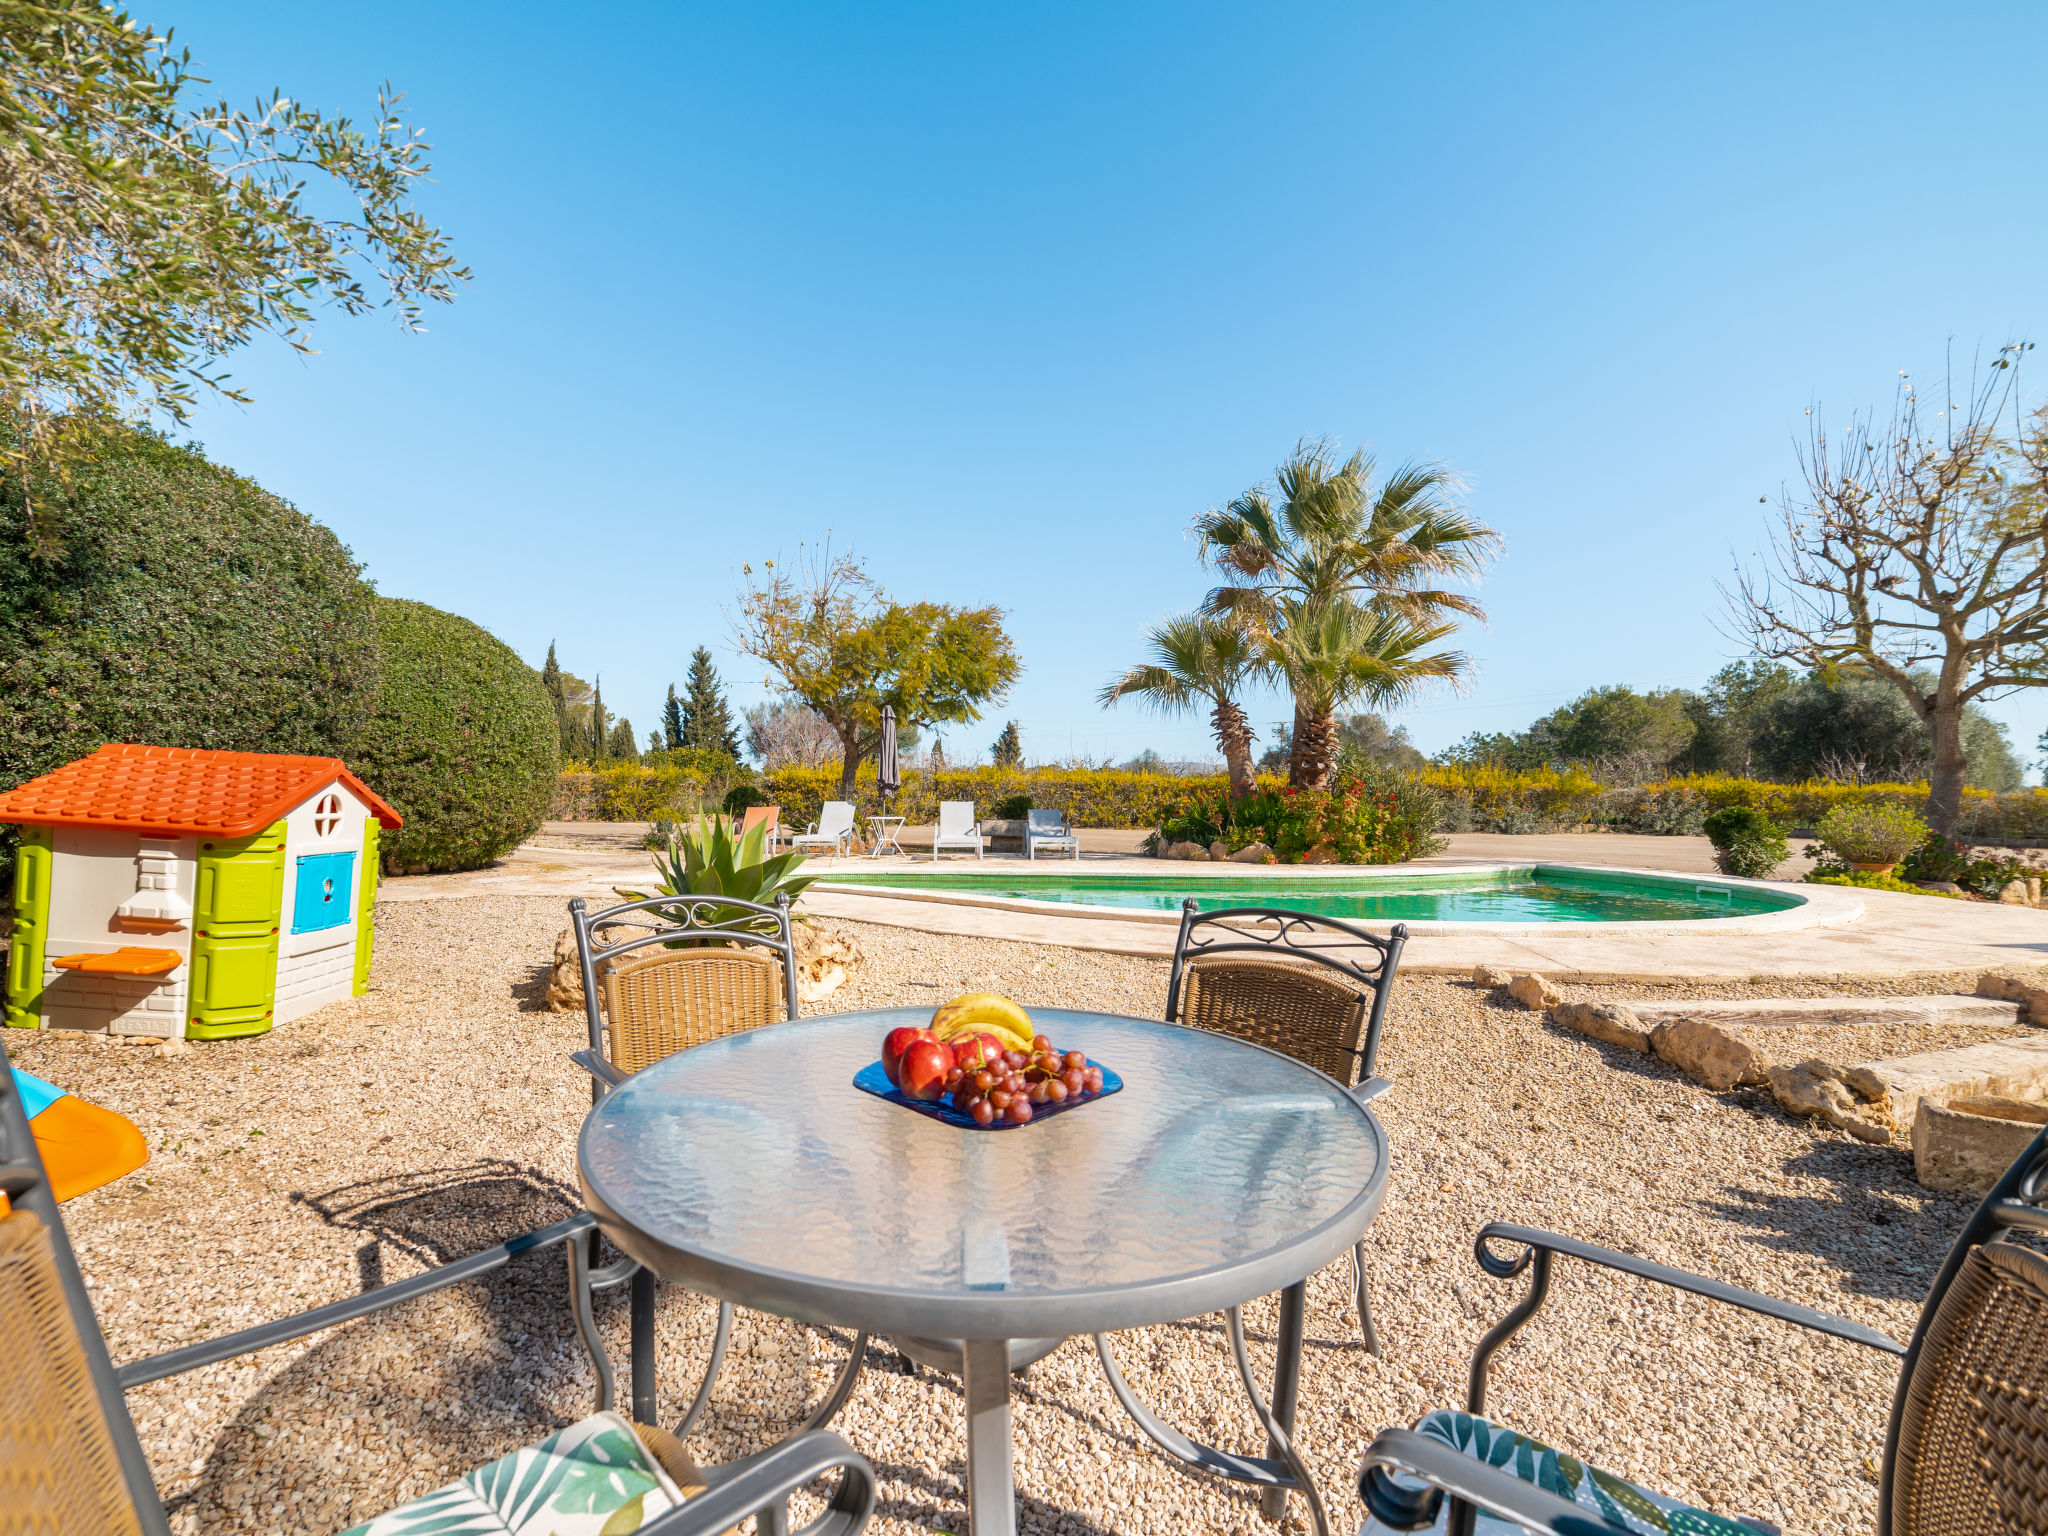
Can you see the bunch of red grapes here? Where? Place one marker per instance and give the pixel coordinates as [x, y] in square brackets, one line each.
[990, 1083]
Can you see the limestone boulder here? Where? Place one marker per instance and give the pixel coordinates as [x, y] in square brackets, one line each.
[1710, 1055]
[825, 957]
[1188, 851]
[1964, 1145]
[1814, 1095]
[1487, 976]
[1220, 851]
[2024, 990]
[1254, 853]
[2014, 894]
[564, 991]
[1321, 856]
[1534, 992]
[1611, 1022]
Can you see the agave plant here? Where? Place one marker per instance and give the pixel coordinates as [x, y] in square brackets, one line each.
[707, 860]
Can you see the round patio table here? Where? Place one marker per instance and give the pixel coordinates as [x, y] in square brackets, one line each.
[751, 1169]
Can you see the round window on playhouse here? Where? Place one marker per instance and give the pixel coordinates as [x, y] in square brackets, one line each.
[326, 814]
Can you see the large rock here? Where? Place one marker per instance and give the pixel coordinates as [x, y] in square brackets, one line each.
[1253, 853]
[1963, 1146]
[1487, 976]
[824, 958]
[1817, 1095]
[1322, 855]
[1220, 851]
[1187, 851]
[2014, 894]
[1710, 1055]
[1534, 992]
[2024, 990]
[1603, 1021]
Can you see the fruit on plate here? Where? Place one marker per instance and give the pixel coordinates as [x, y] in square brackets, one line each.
[1013, 1086]
[973, 1052]
[924, 1068]
[984, 1012]
[895, 1043]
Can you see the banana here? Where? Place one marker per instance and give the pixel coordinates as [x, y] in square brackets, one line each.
[984, 1012]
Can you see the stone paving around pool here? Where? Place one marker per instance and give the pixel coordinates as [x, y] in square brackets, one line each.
[1893, 936]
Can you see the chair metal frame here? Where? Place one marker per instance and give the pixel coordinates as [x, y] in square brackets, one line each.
[757, 1484]
[1285, 940]
[728, 920]
[2017, 1202]
[942, 839]
[723, 919]
[1281, 1470]
[1066, 837]
[839, 839]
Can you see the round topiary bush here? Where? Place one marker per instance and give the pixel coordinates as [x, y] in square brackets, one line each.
[184, 606]
[462, 741]
[1873, 832]
[1746, 842]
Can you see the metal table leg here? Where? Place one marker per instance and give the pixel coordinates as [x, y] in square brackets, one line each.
[991, 1483]
[1286, 1385]
[640, 1291]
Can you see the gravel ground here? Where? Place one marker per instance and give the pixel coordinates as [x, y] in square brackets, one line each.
[438, 1114]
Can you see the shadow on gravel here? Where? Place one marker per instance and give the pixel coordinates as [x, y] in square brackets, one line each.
[1883, 1232]
[395, 1404]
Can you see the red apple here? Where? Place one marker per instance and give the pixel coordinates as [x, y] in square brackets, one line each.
[981, 1051]
[895, 1043]
[924, 1068]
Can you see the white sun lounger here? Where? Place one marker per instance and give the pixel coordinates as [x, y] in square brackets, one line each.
[957, 829]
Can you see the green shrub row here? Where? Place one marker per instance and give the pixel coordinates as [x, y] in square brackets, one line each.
[1474, 800]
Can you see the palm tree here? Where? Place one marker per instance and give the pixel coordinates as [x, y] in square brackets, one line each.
[1339, 652]
[1336, 542]
[1197, 659]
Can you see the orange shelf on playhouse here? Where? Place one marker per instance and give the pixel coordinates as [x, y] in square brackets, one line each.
[128, 960]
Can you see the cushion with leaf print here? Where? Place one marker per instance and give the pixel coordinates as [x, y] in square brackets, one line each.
[1621, 1503]
[591, 1479]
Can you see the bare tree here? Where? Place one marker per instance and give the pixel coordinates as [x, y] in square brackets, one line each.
[1921, 548]
[787, 735]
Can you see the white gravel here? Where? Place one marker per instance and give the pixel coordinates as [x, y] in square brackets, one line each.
[438, 1114]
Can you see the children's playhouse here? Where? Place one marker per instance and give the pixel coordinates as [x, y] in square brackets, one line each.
[167, 891]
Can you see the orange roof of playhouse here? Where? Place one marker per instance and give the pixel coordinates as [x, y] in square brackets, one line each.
[180, 790]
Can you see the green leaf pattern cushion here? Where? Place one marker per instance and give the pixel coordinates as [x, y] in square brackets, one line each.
[1621, 1503]
[591, 1479]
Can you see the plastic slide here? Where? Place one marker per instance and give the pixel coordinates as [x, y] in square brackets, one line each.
[82, 1145]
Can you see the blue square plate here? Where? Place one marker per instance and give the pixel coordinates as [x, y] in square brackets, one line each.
[872, 1079]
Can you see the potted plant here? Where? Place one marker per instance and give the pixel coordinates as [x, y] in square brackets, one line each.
[1871, 837]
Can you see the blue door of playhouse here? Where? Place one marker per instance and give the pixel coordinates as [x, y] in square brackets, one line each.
[320, 899]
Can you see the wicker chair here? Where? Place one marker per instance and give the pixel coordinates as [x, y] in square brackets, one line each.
[645, 1001]
[1967, 1448]
[1308, 987]
[70, 1460]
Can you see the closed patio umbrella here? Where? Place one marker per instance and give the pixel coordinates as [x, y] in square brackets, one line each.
[888, 772]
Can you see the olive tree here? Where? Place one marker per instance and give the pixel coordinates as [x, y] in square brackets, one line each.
[1918, 553]
[836, 643]
[146, 232]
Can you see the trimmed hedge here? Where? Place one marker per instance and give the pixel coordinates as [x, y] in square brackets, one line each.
[1481, 799]
[189, 608]
[463, 741]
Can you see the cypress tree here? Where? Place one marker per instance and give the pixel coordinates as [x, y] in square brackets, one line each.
[706, 717]
[600, 723]
[1008, 750]
[672, 720]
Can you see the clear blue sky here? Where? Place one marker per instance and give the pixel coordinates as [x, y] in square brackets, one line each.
[1004, 297]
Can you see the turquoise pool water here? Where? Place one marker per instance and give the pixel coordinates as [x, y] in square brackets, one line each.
[1539, 894]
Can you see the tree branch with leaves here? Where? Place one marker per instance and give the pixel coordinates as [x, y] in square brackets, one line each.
[145, 233]
[835, 642]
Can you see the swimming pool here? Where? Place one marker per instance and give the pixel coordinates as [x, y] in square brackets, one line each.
[1541, 893]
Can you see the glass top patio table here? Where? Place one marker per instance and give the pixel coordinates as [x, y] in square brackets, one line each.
[750, 1168]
